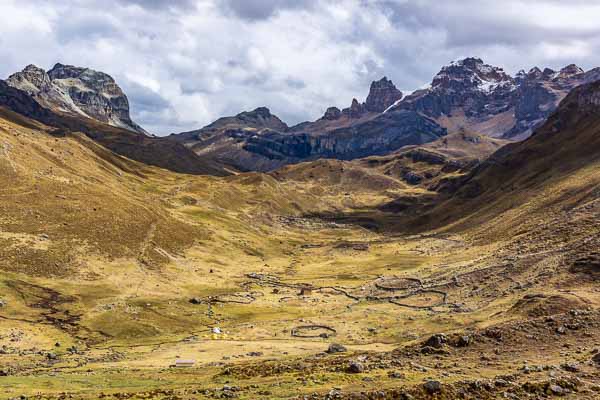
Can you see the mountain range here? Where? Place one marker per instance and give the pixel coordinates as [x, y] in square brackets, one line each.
[438, 245]
[465, 95]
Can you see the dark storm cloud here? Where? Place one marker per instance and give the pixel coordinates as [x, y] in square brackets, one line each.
[184, 63]
[263, 9]
[146, 100]
[471, 23]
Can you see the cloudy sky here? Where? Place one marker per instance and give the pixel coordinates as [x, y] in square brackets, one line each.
[184, 63]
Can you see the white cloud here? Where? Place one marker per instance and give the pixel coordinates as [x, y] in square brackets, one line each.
[185, 63]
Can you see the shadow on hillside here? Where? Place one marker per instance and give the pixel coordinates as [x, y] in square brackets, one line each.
[405, 215]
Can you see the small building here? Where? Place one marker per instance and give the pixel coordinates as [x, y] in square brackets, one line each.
[184, 363]
[306, 291]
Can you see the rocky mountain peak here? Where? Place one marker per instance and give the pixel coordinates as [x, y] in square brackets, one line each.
[535, 71]
[470, 74]
[571, 69]
[548, 74]
[534, 74]
[32, 69]
[521, 75]
[261, 112]
[332, 113]
[382, 94]
[356, 109]
[78, 91]
[260, 117]
[61, 71]
[96, 80]
[468, 91]
[31, 80]
[470, 63]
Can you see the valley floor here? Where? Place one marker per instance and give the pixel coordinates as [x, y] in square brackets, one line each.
[231, 273]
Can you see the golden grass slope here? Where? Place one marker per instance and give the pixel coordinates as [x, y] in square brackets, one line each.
[551, 174]
[102, 255]
[63, 197]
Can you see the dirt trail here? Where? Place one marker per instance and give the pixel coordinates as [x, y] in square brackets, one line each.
[146, 243]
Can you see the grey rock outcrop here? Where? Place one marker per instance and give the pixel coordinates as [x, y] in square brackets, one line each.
[382, 95]
[465, 96]
[77, 91]
[475, 96]
[332, 113]
[259, 141]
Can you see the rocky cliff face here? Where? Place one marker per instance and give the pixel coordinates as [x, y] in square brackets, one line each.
[469, 94]
[465, 96]
[22, 103]
[129, 143]
[376, 136]
[382, 95]
[77, 91]
[479, 89]
[258, 140]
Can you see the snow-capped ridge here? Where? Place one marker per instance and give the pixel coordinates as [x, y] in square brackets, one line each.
[471, 74]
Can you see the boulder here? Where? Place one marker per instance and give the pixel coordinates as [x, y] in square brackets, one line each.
[336, 348]
[356, 367]
[463, 341]
[436, 341]
[432, 387]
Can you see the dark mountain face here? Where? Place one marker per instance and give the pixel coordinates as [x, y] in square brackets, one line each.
[259, 141]
[478, 97]
[565, 145]
[22, 103]
[467, 95]
[373, 137]
[382, 95]
[478, 89]
[77, 91]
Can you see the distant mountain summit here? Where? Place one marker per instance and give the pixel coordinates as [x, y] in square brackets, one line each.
[470, 94]
[70, 100]
[469, 76]
[77, 91]
[258, 118]
[259, 141]
[382, 94]
[466, 95]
